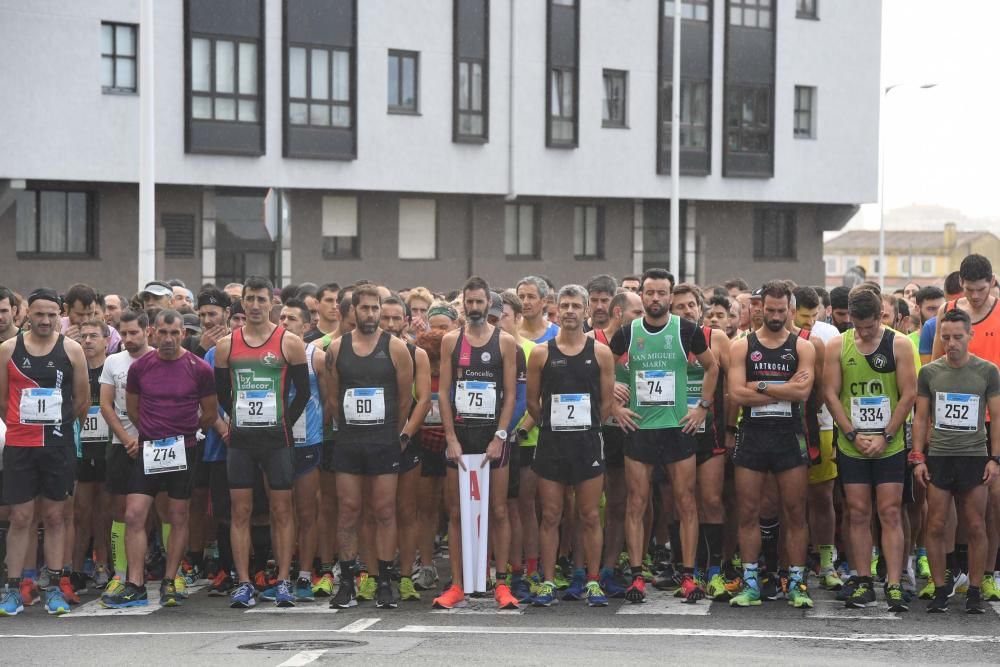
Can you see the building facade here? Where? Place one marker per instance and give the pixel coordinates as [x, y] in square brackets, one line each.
[420, 142]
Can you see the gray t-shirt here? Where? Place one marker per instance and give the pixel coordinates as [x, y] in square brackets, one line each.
[958, 405]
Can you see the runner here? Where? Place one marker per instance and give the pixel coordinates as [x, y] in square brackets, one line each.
[719, 315]
[43, 391]
[478, 388]
[870, 386]
[954, 454]
[658, 345]
[600, 290]
[570, 389]
[8, 309]
[370, 379]
[839, 313]
[535, 326]
[631, 283]
[254, 367]
[770, 376]
[327, 312]
[81, 305]
[113, 309]
[156, 294]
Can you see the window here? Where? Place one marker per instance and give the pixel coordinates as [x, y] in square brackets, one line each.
[750, 13]
[773, 234]
[178, 235]
[691, 10]
[805, 105]
[340, 228]
[52, 222]
[850, 263]
[224, 80]
[417, 229]
[831, 265]
[470, 113]
[927, 266]
[613, 106]
[748, 119]
[904, 266]
[694, 114]
[403, 81]
[565, 3]
[520, 232]
[562, 119]
[806, 9]
[875, 266]
[588, 232]
[562, 62]
[319, 87]
[118, 57]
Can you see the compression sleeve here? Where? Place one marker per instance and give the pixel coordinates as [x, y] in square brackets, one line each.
[299, 375]
[224, 389]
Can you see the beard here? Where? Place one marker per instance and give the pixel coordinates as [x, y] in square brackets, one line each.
[774, 325]
[475, 316]
[367, 327]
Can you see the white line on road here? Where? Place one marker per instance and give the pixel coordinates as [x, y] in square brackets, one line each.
[291, 610]
[836, 610]
[666, 605]
[359, 625]
[303, 658]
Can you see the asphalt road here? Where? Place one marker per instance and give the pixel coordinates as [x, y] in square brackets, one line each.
[205, 631]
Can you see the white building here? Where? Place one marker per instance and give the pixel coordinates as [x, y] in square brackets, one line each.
[420, 142]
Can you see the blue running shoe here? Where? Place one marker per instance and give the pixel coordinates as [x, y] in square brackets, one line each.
[127, 596]
[595, 596]
[304, 590]
[55, 603]
[243, 597]
[283, 596]
[577, 589]
[546, 595]
[11, 603]
[611, 587]
[520, 590]
[269, 592]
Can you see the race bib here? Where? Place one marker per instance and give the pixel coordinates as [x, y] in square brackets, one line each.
[654, 388]
[256, 408]
[299, 430]
[364, 406]
[164, 455]
[570, 412]
[95, 428]
[693, 402]
[475, 399]
[780, 409]
[433, 417]
[956, 412]
[41, 407]
[870, 413]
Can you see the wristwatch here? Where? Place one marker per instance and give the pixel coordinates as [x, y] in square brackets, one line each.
[996, 459]
[502, 434]
[889, 437]
[704, 404]
[404, 439]
[851, 436]
[761, 387]
[522, 434]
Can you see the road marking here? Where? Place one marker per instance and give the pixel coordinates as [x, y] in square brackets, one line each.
[694, 632]
[303, 658]
[666, 604]
[142, 633]
[94, 608]
[826, 609]
[291, 610]
[359, 625]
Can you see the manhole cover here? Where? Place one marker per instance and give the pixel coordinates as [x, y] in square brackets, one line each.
[304, 645]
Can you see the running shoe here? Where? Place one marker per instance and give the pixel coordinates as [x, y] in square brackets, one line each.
[79, 582]
[129, 595]
[951, 583]
[609, 585]
[367, 587]
[974, 602]
[323, 587]
[222, 583]
[180, 587]
[11, 603]
[798, 595]
[716, 588]
[768, 586]
[168, 595]
[909, 580]
[504, 598]
[845, 593]
[938, 605]
[647, 568]
[244, 597]
[384, 598]
[923, 567]
[691, 589]
[534, 582]
[211, 567]
[190, 572]
[546, 596]
[989, 589]
[595, 595]
[519, 589]
[453, 597]
[829, 580]
[962, 583]
[29, 592]
[927, 592]
[896, 599]
[748, 597]
[407, 591]
[862, 597]
[283, 596]
[426, 578]
[669, 580]
[345, 597]
[734, 585]
[577, 587]
[304, 590]
[269, 593]
[101, 576]
[636, 592]
[55, 601]
[559, 580]
[68, 590]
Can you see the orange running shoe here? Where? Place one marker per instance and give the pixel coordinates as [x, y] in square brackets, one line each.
[29, 592]
[66, 587]
[451, 598]
[503, 597]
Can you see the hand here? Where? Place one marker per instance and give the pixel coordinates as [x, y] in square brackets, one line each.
[921, 475]
[876, 445]
[418, 324]
[863, 443]
[694, 418]
[627, 419]
[493, 452]
[622, 392]
[991, 473]
[211, 336]
[132, 447]
[802, 377]
[72, 332]
[453, 452]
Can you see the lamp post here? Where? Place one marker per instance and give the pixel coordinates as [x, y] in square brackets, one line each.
[881, 194]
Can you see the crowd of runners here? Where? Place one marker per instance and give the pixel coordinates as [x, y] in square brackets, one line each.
[726, 442]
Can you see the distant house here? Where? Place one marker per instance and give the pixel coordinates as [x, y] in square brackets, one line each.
[919, 256]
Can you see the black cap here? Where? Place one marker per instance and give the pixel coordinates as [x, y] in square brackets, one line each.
[45, 294]
[496, 306]
[213, 297]
[192, 323]
[236, 308]
[757, 293]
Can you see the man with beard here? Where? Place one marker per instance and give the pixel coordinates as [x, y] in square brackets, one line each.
[600, 290]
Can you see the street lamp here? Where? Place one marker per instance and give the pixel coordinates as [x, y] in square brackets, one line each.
[881, 194]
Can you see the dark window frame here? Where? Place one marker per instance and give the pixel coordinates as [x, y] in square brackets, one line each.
[536, 231]
[739, 92]
[328, 101]
[666, 92]
[610, 123]
[573, 70]
[213, 94]
[775, 215]
[115, 57]
[91, 209]
[803, 10]
[457, 136]
[332, 250]
[694, 4]
[806, 115]
[600, 236]
[752, 5]
[405, 110]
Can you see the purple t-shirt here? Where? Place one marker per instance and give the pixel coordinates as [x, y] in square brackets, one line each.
[170, 393]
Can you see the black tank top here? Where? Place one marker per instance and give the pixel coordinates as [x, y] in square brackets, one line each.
[368, 393]
[777, 365]
[29, 377]
[476, 365]
[567, 378]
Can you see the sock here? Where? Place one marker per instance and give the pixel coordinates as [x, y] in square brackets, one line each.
[769, 535]
[579, 573]
[796, 574]
[921, 552]
[54, 576]
[636, 571]
[118, 553]
[531, 566]
[911, 563]
[29, 573]
[826, 556]
[593, 577]
[676, 547]
[305, 574]
[384, 568]
[165, 533]
[951, 561]
[750, 575]
[713, 545]
[962, 556]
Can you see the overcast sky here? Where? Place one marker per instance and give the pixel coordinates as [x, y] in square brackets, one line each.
[941, 144]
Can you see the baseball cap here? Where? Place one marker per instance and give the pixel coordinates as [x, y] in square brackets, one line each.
[757, 294]
[496, 306]
[192, 323]
[157, 288]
